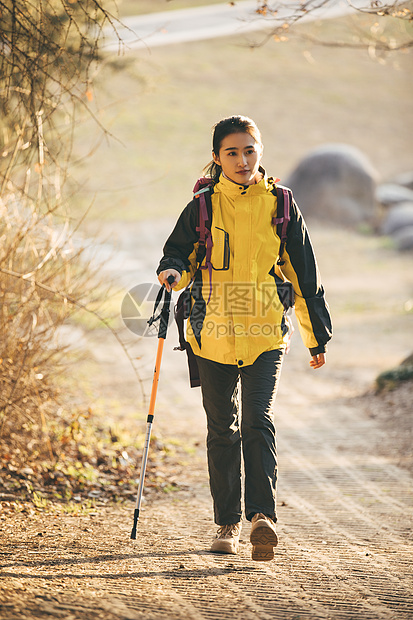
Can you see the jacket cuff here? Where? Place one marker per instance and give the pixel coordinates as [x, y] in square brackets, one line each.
[322, 348]
[170, 263]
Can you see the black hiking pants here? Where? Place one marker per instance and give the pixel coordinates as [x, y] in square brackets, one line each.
[250, 431]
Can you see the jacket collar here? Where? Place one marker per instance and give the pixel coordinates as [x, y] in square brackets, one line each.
[230, 188]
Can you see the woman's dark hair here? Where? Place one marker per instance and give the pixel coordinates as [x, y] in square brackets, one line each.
[226, 127]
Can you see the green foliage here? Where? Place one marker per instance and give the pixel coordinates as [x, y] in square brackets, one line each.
[390, 379]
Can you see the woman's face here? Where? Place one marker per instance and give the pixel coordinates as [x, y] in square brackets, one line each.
[239, 157]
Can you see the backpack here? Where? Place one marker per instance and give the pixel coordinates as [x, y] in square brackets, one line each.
[202, 193]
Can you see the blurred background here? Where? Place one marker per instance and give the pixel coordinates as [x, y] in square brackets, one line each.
[99, 157]
[324, 91]
[160, 104]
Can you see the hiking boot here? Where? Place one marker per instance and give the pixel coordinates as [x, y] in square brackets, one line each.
[227, 539]
[263, 538]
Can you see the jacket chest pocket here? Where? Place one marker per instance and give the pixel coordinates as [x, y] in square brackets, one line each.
[220, 250]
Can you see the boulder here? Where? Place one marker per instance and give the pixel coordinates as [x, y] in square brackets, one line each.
[335, 183]
[403, 238]
[389, 194]
[405, 179]
[397, 217]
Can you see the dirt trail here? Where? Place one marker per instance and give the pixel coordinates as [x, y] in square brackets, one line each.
[345, 506]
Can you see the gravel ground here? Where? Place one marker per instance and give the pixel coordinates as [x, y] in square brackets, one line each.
[345, 487]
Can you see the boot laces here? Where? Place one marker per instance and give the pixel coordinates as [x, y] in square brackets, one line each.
[226, 531]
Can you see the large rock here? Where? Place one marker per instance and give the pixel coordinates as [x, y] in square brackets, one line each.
[336, 183]
[403, 238]
[390, 194]
[405, 179]
[398, 217]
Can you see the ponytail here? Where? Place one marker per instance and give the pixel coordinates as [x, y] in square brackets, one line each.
[212, 171]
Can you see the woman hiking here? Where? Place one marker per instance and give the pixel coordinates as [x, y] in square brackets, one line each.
[238, 326]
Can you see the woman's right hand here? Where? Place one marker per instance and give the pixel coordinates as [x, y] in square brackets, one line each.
[164, 275]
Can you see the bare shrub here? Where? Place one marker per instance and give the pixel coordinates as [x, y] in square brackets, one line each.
[42, 278]
[48, 51]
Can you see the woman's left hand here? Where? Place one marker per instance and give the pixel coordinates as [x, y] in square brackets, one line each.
[318, 360]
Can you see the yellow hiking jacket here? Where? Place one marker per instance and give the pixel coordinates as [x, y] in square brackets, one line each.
[244, 316]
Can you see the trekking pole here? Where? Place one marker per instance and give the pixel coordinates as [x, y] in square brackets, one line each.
[163, 327]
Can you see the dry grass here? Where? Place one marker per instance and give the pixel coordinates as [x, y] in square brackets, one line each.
[43, 280]
[53, 446]
[44, 276]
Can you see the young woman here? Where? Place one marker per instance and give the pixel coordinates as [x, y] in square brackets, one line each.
[237, 326]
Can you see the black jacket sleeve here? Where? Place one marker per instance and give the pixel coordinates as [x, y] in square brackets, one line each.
[180, 243]
[300, 267]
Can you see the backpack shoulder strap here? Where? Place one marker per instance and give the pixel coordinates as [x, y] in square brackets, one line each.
[284, 201]
[202, 193]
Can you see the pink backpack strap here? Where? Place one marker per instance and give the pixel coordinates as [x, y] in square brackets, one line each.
[202, 191]
[284, 199]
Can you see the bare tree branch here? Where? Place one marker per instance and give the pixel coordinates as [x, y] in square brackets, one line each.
[287, 15]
